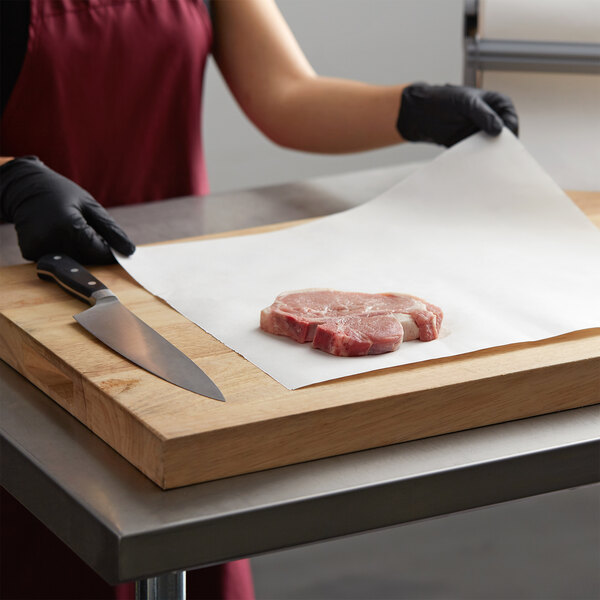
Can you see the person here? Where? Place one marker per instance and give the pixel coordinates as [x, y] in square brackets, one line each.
[101, 105]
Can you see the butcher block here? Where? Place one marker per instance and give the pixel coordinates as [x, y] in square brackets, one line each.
[176, 437]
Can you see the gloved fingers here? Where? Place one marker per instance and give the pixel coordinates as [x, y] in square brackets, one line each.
[483, 115]
[505, 108]
[85, 245]
[77, 240]
[34, 248]
[460, 134]
[104, 224]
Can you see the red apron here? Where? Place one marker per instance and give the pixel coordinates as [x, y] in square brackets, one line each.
[110, 95]
[37, 565]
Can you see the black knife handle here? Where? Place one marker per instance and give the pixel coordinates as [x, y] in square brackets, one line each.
[70, 275]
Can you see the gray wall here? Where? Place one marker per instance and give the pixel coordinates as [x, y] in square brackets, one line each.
[377, 41]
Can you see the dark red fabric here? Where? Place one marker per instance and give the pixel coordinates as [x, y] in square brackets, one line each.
[36, 565]
[110, 95]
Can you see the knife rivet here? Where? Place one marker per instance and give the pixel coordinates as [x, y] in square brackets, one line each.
[91, 283]
[74, 270]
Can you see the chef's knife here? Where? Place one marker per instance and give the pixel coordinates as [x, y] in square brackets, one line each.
[113, 324]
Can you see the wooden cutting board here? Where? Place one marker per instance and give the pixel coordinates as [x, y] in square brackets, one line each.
[177, 438]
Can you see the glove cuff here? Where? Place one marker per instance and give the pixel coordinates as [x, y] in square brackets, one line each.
[411, 112]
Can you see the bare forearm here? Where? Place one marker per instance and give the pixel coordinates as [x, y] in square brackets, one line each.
[279, 91]
[321, 114]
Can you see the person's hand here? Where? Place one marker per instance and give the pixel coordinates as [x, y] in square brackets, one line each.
[447, 114]
[53, 214]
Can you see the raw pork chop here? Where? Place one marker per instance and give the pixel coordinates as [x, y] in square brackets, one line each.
[351, 323]
[358, 336]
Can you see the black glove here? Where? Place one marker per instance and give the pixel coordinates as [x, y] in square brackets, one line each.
[53, 214]
[446, 114]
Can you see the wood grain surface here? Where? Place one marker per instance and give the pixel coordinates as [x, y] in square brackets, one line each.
[177, 438]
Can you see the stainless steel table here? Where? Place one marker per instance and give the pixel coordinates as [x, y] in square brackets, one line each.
[127, 528]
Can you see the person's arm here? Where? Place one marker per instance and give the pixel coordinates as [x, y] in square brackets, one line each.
[281, 94]
[278, 90]
[50, 212]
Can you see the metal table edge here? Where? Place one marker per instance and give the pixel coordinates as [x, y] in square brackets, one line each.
[370, 507]
[33, 486]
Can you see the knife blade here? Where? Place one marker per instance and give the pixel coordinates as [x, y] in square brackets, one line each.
[117, 327]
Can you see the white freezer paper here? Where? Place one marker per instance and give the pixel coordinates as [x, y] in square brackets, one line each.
[559, 122]
[559, 114]
[481, 231]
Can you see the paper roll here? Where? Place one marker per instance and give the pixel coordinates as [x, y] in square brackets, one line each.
[559, 113]
[540, 20]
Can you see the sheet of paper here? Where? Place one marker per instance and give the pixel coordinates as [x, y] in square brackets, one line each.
[559, 120]
[481, 231]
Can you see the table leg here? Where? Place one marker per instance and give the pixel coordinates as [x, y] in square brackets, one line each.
[170, 586]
